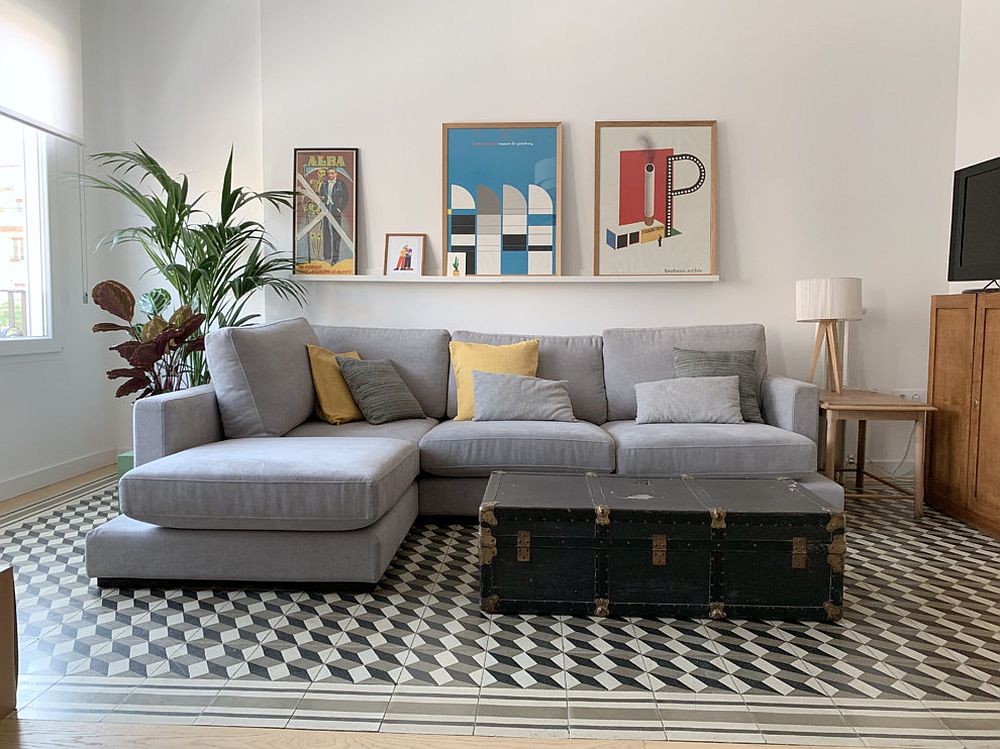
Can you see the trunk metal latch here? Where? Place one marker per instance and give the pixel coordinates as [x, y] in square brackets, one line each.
[659, 550]
[524, 546]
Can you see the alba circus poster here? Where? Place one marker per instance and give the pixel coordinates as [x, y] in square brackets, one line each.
[326, 214]
[655, 198]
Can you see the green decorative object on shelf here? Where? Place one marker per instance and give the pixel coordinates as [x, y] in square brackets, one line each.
[126, 461]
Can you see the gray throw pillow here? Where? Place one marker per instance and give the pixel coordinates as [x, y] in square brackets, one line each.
[378, 390]
[689, 400]
[507, 397]
[262, 377]
[689, 363]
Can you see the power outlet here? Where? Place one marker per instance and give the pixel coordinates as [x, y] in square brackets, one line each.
[919, 396]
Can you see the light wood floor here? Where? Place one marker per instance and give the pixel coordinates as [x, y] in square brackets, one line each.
[24, 500]
[29, 734]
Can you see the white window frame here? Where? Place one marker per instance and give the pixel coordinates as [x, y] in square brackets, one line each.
[50, 343]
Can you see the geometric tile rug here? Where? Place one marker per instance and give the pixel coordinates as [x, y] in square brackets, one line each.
[914, 662]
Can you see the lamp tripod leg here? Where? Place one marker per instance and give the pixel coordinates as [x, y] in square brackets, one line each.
[832, 350]
[817, 347]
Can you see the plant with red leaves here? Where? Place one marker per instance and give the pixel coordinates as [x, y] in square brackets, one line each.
[156, 350]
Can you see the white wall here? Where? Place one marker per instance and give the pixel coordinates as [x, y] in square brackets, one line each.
[977, 136]
[836, 147]
[978, 130]
[54, 407]
[181, 79]
[836, 143]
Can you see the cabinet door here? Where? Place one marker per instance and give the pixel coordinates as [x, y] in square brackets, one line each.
[949, 384]
[984, 453]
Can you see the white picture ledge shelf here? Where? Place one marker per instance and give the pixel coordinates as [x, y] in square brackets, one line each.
[308, 278]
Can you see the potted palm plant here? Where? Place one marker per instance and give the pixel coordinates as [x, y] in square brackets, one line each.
[215, 265]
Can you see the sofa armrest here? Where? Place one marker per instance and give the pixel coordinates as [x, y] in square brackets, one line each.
[792, 405]
[169, 423]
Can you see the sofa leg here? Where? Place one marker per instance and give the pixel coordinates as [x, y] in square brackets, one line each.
[128, 583]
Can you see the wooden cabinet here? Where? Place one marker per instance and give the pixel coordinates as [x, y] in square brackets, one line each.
[963, 461]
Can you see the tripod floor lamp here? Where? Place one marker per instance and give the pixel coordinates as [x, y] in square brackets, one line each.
[827, 301]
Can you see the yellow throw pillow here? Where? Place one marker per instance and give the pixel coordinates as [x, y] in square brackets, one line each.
[516, 358]
[334, 402]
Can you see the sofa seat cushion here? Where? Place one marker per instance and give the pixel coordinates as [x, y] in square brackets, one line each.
[475, 448]
[272, 483]
[410, 430]
[710, 450]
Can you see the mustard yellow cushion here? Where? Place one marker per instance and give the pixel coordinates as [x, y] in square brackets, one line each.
[519, 358]
[334, 402]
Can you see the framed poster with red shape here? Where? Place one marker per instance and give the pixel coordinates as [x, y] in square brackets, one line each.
[654, 198]
[325, 221]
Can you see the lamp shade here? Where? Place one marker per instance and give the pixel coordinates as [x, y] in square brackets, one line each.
[827, 299]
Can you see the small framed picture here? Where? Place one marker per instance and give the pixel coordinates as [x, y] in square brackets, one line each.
[404, 255]
[455, 264]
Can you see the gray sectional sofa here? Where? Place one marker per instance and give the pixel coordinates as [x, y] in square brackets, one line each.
[238, 481]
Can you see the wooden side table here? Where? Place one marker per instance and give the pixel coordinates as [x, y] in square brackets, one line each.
[864, 406]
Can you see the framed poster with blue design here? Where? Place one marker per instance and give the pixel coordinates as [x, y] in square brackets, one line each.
[502, 199]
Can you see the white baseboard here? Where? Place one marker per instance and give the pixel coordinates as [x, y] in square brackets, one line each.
[28, 482]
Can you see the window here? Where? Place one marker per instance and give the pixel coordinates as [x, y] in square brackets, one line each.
[25, 287]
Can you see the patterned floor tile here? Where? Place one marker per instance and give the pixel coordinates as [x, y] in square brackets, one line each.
[603, 654]
[709, 718]
[512, 712]
[79, 699]
[56, 654]
[526, 652]
[444, 711]
[360, 663]
[628, 715]
[458, 666]
[342, 707]
[166, 701]
[920, 638]
[244, 703]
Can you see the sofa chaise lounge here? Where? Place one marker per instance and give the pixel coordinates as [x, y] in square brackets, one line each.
[239, 481]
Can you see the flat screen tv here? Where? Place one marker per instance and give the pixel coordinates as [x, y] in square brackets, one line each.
[975, 223]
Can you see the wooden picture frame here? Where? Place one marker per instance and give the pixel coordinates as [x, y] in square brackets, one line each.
[502, 171]
[325, 211]
[646, 157]
[405, 263]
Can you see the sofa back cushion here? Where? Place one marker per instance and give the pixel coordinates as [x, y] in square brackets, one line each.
[420, 357]
[634, 355]
[262, 378]
[576, 359]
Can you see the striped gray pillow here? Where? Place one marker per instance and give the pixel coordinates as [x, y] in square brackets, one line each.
[690, 363]
[378, 390]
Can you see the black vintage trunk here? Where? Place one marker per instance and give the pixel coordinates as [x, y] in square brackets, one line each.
[615, 545]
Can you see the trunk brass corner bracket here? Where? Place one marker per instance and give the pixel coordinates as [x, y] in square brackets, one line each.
[601, 606]
[487, 546]
[717, 610]
[835, 554]
[487, 514]
[836, 522]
